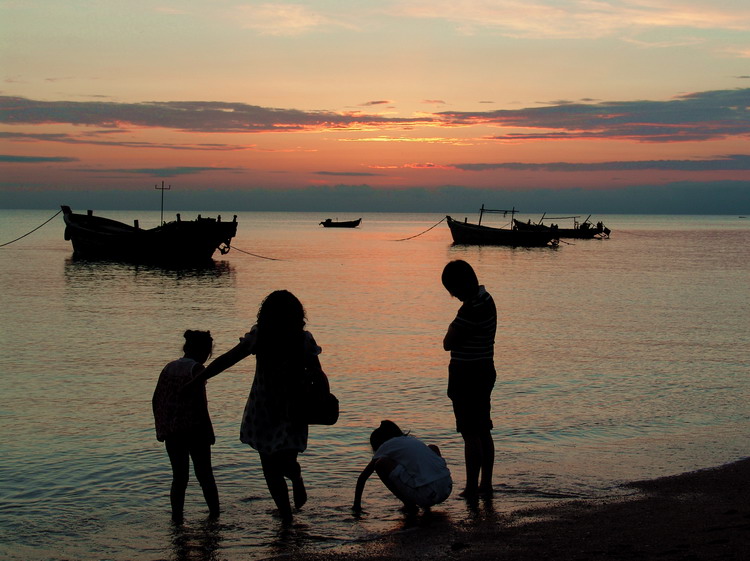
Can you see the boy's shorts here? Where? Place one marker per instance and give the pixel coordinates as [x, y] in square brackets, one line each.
[470, 390]
[427, 495]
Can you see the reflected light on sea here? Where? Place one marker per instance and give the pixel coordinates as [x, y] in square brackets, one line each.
[617, 360]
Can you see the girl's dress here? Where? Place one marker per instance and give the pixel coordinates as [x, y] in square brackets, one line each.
[267, 423]
[181, 410]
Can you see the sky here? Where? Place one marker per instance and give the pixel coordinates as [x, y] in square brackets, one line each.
[555, 105]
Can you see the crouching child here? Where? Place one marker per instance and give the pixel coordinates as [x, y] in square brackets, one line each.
[413, 471]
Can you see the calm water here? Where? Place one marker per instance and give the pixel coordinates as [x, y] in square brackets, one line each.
[618, 360]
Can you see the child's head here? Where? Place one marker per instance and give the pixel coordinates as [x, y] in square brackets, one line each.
[386, 431]
[198, 345]
[281, 312]
[460, 280]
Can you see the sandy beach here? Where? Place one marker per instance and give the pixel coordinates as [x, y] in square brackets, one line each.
[700, 515]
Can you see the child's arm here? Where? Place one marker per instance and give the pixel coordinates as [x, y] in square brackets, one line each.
[452, 338]
[221, 363]
[361, 480]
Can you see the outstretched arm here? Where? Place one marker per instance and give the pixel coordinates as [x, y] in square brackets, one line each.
[221, 363]
[361, 480]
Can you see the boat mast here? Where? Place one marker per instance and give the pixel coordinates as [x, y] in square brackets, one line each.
[162, 189]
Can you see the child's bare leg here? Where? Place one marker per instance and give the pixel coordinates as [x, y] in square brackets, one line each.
[273, 472]
[473, 459]
[293, 471]
[201, 455]
[179, 457]
[488, 462]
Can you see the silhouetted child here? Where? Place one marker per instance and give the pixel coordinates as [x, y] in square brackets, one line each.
[286, 357]
[414, 472]
[471, 373]
[183, 423]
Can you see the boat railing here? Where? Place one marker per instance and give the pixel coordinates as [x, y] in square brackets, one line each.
[576, 223]
[482, 210]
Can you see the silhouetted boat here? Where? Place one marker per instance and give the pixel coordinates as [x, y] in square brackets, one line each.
[581, 230]
[328, 223]
[178, 242]
[476, 234]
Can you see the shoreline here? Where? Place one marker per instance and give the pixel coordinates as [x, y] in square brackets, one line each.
[700, 515]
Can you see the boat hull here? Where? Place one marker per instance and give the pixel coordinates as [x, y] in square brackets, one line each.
[473, 234]
[580, 233]
[179, 242]
[344, 224]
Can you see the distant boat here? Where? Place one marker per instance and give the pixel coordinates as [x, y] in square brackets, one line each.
[585, 230]
[184, 242]
[328, 223]
[476, 234]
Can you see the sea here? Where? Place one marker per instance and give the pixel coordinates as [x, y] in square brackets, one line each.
[618, 360]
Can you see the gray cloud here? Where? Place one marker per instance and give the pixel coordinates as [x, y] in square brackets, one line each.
[723, 163]
[159, 172]
[90, 139]
[691, 117]
[192, 116]
[33, 159]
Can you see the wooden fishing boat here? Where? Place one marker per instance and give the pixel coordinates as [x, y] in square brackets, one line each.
[476, 234]
[179, 242]
[585, 230]
[328, 223]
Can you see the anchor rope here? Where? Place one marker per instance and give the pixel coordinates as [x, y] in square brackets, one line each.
[255, 254]
[34, 230]
[417, 235]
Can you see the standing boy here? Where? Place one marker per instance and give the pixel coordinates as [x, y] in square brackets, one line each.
[471, 372]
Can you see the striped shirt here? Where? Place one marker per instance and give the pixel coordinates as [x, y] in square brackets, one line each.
[476, 322]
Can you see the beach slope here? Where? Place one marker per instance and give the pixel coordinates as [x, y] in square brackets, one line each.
[702, 515]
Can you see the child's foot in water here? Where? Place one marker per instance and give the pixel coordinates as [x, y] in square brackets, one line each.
[469, 493]
[299, 492]
[486, 490]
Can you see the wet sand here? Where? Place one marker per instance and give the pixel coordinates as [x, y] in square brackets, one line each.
[703, 515]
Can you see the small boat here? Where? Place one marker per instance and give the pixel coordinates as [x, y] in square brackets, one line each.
[585, 230]
[328, 223]
[476, 234]
[185, 242]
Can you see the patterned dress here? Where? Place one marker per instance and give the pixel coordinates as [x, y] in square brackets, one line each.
[267, 425]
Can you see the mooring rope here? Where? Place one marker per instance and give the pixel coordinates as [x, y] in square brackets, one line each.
[34, 230]
[254, 254]
[417, 235]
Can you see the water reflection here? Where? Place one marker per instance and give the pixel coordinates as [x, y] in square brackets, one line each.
[83, 270]
[481, 507]
[202, 543]
[434, 534]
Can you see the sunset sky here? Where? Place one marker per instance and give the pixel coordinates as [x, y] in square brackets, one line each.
[380, 104]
